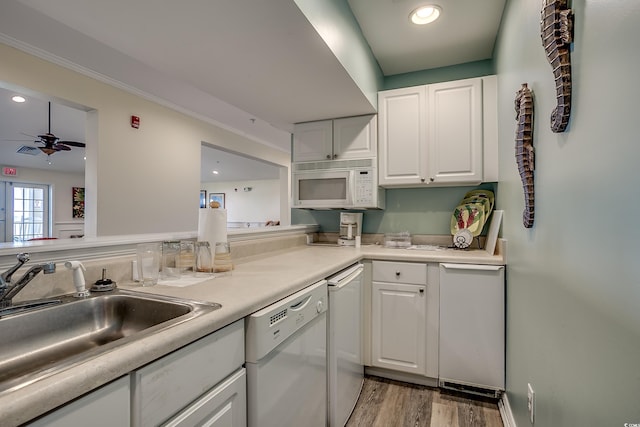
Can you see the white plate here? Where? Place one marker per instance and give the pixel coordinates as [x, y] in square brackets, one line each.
[462, 239]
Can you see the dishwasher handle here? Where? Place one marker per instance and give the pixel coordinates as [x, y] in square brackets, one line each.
[344, 278]
[300, 304]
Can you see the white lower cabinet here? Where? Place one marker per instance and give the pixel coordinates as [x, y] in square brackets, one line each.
[472, 320]
[404, 318]
[201, 384]
[107, 406]
[189, 384]
[224, 406]
[399, 327]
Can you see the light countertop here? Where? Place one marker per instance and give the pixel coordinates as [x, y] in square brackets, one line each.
[252, 285]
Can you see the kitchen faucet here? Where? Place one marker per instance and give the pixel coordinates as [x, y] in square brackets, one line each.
[9, 290]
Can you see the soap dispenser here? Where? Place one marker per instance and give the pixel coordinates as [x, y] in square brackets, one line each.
[104, 284]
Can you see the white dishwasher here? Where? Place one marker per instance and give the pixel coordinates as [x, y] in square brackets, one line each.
[472, 328]
[344, 344]
[286, 357]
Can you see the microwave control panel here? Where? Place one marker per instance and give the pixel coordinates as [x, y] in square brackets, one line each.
[364, 188]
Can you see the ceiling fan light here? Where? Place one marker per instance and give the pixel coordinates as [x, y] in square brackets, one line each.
[18, 98]
[47, 150]
[425, 14]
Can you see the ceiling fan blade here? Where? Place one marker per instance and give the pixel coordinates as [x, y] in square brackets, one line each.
[16, 140]
[73, 143]
[61, 147]
[30, 136]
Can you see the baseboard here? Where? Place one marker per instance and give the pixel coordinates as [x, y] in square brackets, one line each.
[401, 376]
[505, 411]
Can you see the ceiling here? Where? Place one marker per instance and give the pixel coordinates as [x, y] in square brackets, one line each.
[231, 167]
[21, 122]
[256, 67]
[465, 32]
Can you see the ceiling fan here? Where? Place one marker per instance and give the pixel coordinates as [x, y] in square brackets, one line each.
[51, 143]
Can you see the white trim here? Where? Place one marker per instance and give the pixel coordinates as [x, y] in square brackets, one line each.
[505, 411]
[89, 248]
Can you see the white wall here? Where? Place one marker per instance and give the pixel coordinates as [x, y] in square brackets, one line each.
[573, 287]
[138, 181]
[261, 204]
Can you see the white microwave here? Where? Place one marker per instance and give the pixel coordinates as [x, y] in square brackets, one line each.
[337, 184]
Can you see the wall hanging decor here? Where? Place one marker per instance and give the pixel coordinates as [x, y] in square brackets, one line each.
[217, 198]
[524, 150]
[78, 202]
[556, 27]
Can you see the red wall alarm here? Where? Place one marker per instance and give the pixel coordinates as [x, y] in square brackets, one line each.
[135, 122]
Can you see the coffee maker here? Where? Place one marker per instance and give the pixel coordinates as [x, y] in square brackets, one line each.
[350, 228]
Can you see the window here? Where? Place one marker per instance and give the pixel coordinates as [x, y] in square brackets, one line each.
[29, 211]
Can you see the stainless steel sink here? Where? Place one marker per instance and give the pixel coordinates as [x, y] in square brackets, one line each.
[39, 342]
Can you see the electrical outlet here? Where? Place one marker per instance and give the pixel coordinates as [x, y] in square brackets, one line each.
[531, 401]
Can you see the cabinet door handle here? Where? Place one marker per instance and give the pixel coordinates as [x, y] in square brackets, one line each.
[335, 156]
[397, 274]
[328, 156]
[421, 291]
[471, 267]
[431, 179]
[422, 179]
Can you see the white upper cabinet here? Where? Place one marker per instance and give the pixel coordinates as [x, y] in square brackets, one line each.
[355, 137]
[402, 130]
[313, 141]
[339, 139]
[438, 134]
[455, 132]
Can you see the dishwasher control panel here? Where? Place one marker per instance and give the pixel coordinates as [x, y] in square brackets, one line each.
[268, 327]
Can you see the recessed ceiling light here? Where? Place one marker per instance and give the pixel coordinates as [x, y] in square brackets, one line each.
[216, 172]
[18, 98]
[425, 14]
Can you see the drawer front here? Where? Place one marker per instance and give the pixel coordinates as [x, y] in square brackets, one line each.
[168, 385]
[411, 273]
[225, 405]
[105, 407]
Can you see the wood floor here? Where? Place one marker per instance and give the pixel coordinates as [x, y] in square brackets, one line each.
[388, 403]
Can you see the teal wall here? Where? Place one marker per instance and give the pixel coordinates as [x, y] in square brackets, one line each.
[444, 74]
[573, 280]
[417, 210]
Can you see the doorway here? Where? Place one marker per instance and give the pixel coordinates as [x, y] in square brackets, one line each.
[24, 211]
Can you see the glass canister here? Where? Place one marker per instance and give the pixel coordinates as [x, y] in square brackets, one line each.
[170, 254]
[204, 257]
[222, 258]
[186, 261]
